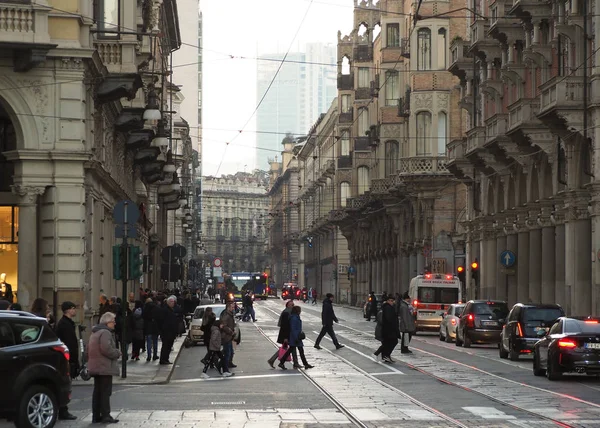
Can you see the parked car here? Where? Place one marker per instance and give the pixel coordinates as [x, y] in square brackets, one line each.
[367, 304]
[34, 368]
[571, 345]
[481, 322]
[196, 334]
[450, 320]
[520, 333]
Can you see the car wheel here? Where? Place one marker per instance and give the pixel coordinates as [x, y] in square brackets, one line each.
[448, 337]
[457, 341]
[37, 408]
[503, 354]
[467, 343]
[441, 336]
[512, 354]
[537, 371]
[551, 372]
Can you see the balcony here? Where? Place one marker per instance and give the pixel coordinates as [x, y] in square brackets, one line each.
[346, 117]
[345, 82]
[461, 64]
[481, 44]
[361, 144]
[423, 165]
[363, 53]
[533, 9]
[24, 29]
[475, 139]
[382, 186]
[504, 29]
[344, 162]
[561, 103]
[329, 167]
[523, 112]
[362, 93]
[496, 127]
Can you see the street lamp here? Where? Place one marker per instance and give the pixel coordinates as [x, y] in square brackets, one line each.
[169, 167]
[152, 111]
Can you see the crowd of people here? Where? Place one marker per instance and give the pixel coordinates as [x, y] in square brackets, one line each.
[395, 322]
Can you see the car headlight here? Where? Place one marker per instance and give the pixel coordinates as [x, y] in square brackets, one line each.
[196, 327]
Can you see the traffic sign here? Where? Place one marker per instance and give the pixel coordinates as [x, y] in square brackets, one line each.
[507, 258]
[427, 251]
[217, 262]
[126, 210]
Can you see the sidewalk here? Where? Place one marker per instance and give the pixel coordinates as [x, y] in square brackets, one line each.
[142, 372]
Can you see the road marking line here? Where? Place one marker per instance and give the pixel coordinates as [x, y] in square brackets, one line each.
[488, 413]
[393, 369]
[218, 377]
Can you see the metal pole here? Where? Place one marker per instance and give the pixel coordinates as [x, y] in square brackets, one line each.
[125, 249]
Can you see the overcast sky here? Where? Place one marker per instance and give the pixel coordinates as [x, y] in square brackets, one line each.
[247, 28]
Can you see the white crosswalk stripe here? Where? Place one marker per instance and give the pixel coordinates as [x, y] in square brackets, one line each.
[488, 413]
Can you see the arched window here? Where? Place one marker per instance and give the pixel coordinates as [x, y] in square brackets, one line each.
[392, 89]
[363, 121]
[442, 135]
[442, 49]
[345, 66]
[423, 133]
[363, 179]
[391, 157]
[344, 192]
[424, 49]
[345, 143]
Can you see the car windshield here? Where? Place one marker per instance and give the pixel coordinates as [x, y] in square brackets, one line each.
[458, 309]
[199, 313]
[577, 326]
[497, 309]
[438, 295]
[543, 315]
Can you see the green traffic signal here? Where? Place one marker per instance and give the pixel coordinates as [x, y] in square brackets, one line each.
[122, 271]
[116, 259]
[135, 262]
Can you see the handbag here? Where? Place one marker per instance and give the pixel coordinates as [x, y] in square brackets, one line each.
[301, 336]
[282, 352]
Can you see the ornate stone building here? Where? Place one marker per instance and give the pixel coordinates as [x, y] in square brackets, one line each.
[527, 75]
[84, 123]
[234, 217]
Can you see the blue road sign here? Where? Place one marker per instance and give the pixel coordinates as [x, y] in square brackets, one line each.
[351, 270]
[120, 231]
[507, 258]
[133, 213]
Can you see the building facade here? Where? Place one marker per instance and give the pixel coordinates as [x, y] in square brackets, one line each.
[85, 123]
[527, 155]
[234, 212]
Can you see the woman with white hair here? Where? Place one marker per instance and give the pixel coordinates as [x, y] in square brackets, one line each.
[102, 365]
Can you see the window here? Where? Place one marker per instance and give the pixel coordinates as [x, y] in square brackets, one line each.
[346, 103]
[363, 179]
[424, 49]
[107, 17]
[442, 133]
[7, 338]
[345, 66]
[363, 122]
[344, 192]
[392, 90]
[393, 35]
[391, 157]
[423, 133]
[442, 49]
[345, 143]
[26, 333]
[364, 77]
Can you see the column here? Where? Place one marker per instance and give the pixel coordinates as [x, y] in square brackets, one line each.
[559, 257]
[512, 244]
[535, 266]
[412, 266]
[405, 271]
[523, 267]
[501, 277]
[548, 258]
[28, 244]
[489, 266]
[379, 271]
[420, 262]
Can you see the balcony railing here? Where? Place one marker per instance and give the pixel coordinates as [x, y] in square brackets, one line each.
[363, 53]
[361, 144]
[562, 92]
[496, 126]
[345, 82]
[346, 117]
[382, 185]
[524, 110]
[457, 149]
[423, 165]
[344, 162]
[111, 53]
[475, 138]
[23, 23]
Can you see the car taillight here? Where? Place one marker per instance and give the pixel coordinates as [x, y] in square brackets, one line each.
[62, 349]
[415, 303]
[449, 277]
[567, 343]
[519, 330]
[470, 321]
[453, 321]
[427, 276]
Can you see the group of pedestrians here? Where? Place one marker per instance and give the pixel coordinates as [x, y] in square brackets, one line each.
[219, 337]
[395, 321]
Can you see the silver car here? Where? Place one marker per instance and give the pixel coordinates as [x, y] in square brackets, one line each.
[450, 321]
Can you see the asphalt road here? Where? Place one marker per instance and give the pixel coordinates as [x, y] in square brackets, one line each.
[438, 385]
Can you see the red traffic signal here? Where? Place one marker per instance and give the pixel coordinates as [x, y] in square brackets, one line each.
[460, 269]
[475, 265]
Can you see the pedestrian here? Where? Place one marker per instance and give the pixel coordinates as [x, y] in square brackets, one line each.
[372, 312]
[407, 322]
[137, 333]
[214, 346]
[227, 333]
[167, 325]
[284, 330]
[249, 306]
[65, 330]
[314, 296]
[102, 365]
[295, 342]
[150, 330]
[327, 319]
[390, 330]
[104, 305]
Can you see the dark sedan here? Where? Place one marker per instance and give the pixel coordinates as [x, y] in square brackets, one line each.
[571, 345]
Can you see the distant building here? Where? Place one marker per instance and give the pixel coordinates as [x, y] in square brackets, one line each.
[234, 212]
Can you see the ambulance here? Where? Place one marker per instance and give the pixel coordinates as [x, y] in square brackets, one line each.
[431, 295]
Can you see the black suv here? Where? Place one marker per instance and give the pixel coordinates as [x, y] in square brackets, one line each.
[34, 368]
[481, 322]
[520, 333]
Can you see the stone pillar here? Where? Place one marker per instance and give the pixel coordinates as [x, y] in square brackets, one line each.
[535, 266]
[548, 261]
[488, 265]
[379, 270]
[28, 244]
[523, 267]
[501, 277]
[412, 265]
[406, 272]
[559, 258]
[420, 262]
[512, 244]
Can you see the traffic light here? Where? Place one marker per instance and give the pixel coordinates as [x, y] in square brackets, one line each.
[116, 259]
[135, 262]
[475, 269]
[460, 273]
[263, 278]
[122, 267]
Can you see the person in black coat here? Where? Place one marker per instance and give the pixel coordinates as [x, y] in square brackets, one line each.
[65, 330]
[390, 330]
[150, 329]
[168, 324]
[284, 329]
[328, 318]
[372, 306]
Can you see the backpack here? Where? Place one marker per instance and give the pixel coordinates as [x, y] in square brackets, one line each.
[379, 326]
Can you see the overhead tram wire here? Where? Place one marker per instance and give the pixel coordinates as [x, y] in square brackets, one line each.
[268, 87]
